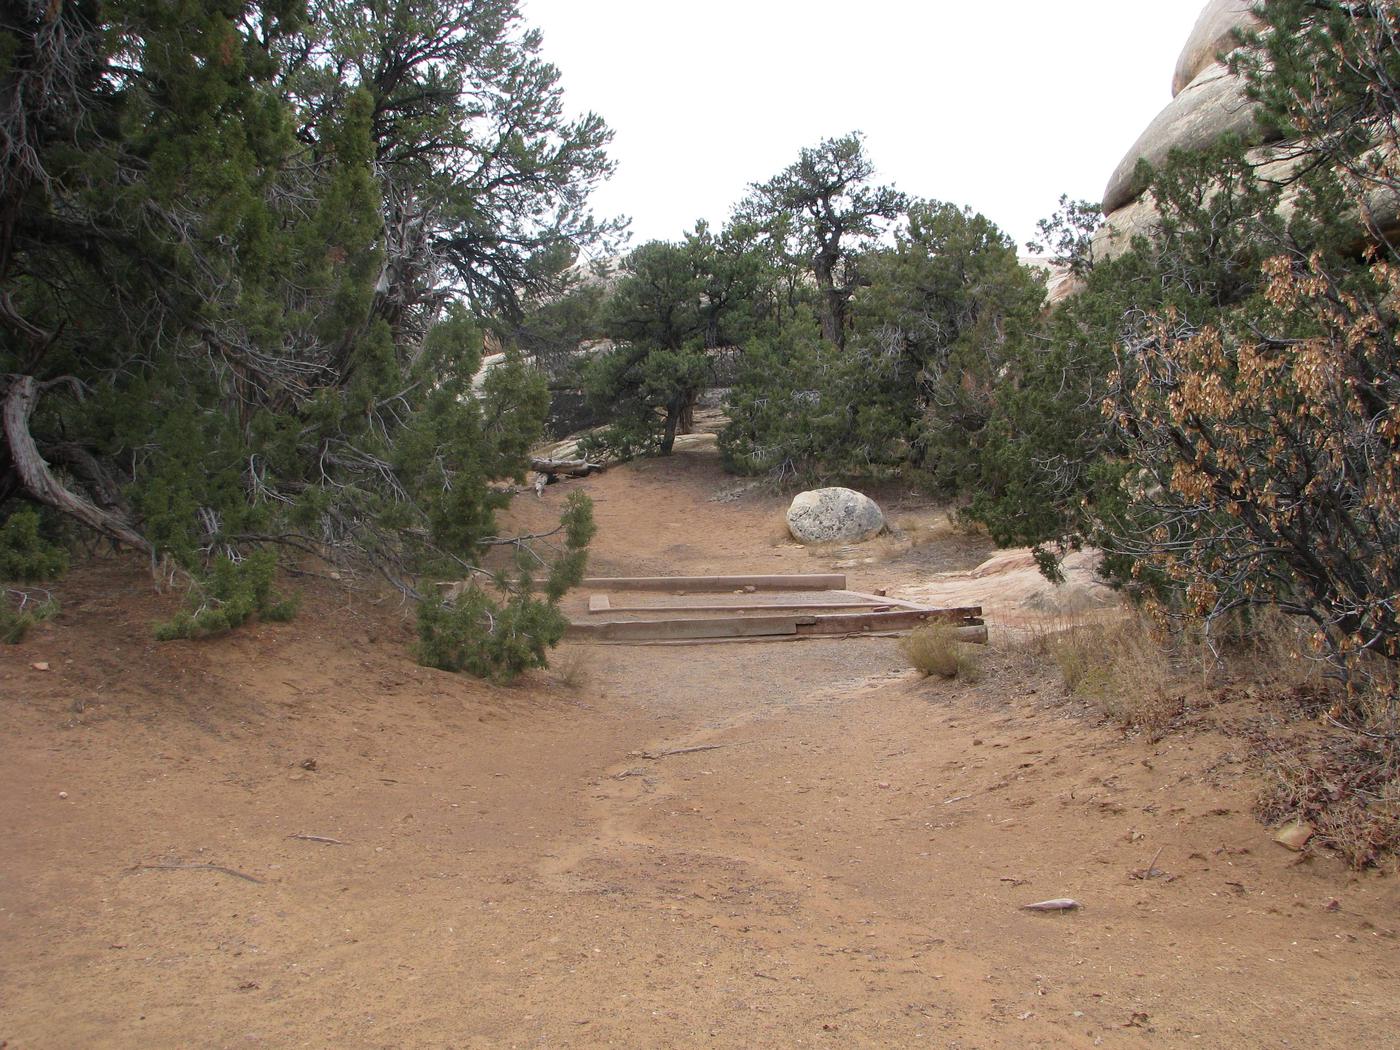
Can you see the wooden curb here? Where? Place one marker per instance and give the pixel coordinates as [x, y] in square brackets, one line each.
[703, 584]
[685, 628]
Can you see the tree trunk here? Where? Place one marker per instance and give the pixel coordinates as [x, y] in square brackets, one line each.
[38, 479]
[668, 439]
[831, 303]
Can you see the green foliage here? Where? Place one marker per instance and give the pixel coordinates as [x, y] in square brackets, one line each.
[505, 628]
[20, 612]
[248, 251]
[945, 311]
[24, 552]
[1050, 470]
[802, 407]
[552, 331]
[1216, 408]
[673, 303]
[821, 213]
[1067, 235]
[229, 595]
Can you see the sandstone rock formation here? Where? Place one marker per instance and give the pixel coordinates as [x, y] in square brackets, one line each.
[1213, 34]
[834, 515]
[1208, 101]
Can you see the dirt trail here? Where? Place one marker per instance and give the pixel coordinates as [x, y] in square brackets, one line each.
[844, 868]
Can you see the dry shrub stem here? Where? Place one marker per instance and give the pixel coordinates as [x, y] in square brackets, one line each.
[935, 650]
[1149, 673]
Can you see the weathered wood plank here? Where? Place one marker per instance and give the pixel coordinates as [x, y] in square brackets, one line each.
[885, 599]
[843, 623]
[711, 584]
[660, 630]
[972, 635]
[676, 629]
[814, 605]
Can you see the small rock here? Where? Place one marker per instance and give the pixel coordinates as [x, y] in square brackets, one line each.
[1058, 904]
[42, 665]
[1332, 905]
[63, 794]
[883, 784]
[308, 764]
[1294, 836]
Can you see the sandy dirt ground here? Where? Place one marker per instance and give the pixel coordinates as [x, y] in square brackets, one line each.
[524, 867]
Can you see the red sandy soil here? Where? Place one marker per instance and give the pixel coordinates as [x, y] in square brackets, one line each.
[846, 869]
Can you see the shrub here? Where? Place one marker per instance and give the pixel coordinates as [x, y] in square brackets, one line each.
[490, 640]
[228, 596]
[1123, 669]
[934, 649]
[500, 626]
[24, 553]
[20, 611]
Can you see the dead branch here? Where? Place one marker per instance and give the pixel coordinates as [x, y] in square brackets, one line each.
[655, 755]
[39, 480]
[573, 468]
[197, 867]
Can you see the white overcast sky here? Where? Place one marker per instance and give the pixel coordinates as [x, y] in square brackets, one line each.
[1002, 105]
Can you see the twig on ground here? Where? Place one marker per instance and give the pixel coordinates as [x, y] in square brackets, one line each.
[318, 838]
[1152, 871]
[654, 755]
[197, 867]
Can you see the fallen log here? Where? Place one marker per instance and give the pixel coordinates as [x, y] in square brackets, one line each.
[572, 468]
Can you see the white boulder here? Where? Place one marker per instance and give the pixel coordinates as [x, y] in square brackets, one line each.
[834, 515]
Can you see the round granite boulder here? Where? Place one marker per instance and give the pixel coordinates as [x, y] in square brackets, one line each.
[834, 515]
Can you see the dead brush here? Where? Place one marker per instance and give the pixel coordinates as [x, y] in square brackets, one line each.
[1262, 646]
[1123, 667]
[573, 666]
[917, 532]
[1347, 790]
[934, 649]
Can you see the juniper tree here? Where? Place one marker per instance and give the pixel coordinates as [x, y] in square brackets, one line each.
[821, 212]
[246, 254]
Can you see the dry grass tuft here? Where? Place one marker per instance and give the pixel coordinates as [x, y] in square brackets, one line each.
[1146, 676]
[935, 650]
[573, 667]
[1122, 666]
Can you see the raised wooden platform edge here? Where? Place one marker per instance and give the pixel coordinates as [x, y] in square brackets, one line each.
[710, 584]
[600, 603]
[753, 626]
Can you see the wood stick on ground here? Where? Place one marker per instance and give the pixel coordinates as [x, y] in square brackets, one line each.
[198, 867]
[654, 755]
[1151, 871]
[317, 838]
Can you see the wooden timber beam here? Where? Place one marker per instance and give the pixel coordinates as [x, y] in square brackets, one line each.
[967, 620]
[702, 584]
